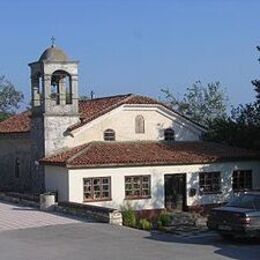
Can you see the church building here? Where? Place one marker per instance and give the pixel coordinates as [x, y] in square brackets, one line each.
[112, 150]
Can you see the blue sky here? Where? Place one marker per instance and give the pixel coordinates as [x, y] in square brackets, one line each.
[137, 46]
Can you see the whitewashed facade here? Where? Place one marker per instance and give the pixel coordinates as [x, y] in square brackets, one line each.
[69, 183]
[49, 129]
[122, 120]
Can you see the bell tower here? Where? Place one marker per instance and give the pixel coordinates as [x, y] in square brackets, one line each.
[54, 99]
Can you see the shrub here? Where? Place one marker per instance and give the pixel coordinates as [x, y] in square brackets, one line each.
[128, 214]
[145, 224]
[165, 219]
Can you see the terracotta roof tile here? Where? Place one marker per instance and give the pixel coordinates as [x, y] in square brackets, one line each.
[63, 156]
[93, 108]
[89, 110]
[148, 153]
[19, 123]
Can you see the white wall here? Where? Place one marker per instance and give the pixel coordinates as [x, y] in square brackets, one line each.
[56, 179]
[226, 170]
[157, 182]
[122, 120]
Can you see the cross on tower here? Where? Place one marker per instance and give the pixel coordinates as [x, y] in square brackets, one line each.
[53, 41]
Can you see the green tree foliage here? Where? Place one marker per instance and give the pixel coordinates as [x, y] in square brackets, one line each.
[242, 128]
[84, 98]
[230, 132]
[201, 103]
[10, 98]
[3, 116]
[256, 84]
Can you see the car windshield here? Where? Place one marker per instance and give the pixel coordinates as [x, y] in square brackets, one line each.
[247, 201]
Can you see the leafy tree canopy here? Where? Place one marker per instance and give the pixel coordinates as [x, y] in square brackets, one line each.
[10, 98]
[201, 103]
[242, 128]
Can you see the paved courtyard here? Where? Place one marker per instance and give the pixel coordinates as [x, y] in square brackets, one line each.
[27, 233]
[14, 217]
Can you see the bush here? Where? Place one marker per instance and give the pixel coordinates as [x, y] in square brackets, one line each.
[145, 224]
[165, 219]
[128, 214]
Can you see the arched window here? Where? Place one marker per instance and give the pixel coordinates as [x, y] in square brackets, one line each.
[37, 89]
[61, 87]
[139, 124]
[169, 134]
[109, 135]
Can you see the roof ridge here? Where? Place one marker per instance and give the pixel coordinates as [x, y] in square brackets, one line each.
[84, 149]
[117, 104]
[106, 97]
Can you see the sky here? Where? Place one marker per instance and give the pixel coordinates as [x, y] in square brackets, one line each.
[137, 46]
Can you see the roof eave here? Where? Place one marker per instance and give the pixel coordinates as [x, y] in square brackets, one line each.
[146, 164]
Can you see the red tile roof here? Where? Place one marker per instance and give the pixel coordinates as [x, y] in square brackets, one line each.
[89, 110]
[94, 108]
[20, 123]
[102, 154]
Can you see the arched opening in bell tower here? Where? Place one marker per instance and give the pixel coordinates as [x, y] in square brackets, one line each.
[61, 88]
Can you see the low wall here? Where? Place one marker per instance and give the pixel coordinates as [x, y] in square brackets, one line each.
[22, 199]
[100, 214]
[204, 209]
[150, 214]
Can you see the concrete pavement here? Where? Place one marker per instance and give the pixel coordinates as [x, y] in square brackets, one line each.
[14, 217]
[77, 240]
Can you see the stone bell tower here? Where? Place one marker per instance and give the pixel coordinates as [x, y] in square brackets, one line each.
[54, 91]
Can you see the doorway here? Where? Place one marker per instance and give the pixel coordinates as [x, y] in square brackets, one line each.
[175, 191]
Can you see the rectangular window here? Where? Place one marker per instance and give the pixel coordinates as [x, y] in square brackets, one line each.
[97, 189]
[242, 180]
[209, 182]
[138, 187]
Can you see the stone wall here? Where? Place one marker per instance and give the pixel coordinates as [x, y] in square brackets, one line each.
[15, 149]
[37, 152]
[55, 127]
[100, 214]
[48, 135]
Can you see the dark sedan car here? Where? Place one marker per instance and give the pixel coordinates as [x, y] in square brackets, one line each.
[240, 217]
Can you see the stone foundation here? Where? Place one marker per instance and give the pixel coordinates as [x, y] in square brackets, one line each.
[204, 209]
[100, 214]
[149, 214]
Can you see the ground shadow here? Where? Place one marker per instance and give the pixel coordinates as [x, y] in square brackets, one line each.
[25, 209]
[240, 249]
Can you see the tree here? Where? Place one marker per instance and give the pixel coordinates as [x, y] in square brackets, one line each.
[201, 103]
[10, 98]
[242, 128]
[256, 84]
[3, 116]
[84, 98]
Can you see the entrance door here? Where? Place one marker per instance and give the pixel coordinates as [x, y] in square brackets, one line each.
[175, 191]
